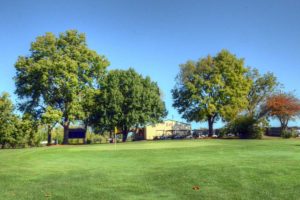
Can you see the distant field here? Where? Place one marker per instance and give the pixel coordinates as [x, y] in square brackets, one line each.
[222, 169]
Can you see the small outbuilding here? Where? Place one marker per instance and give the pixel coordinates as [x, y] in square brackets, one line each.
[77, 133]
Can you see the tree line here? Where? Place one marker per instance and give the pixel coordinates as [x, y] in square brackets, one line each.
[61, 80]
[221, 87]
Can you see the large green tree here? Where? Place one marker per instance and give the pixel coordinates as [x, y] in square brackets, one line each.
[56, 73]
[212, 88]
[127, 100]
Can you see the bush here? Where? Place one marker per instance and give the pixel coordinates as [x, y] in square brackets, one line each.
[18, 133]
[288, 134]
[93, 138]
[76, 141]
[246, 127]
[15, 131]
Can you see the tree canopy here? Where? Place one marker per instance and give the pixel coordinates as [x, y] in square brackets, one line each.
[212, 88]
[56, 73]
[127, 100]
[263, 86]
[283, 106]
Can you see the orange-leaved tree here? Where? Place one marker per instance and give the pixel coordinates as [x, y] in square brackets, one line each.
[283, 106]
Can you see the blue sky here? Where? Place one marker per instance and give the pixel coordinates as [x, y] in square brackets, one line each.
[155, 36]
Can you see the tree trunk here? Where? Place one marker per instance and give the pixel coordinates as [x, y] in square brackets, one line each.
[210, 126]
[49, 136]
[85, 128]
[125, 134]
[283, 127]
[66, 132]
[284, 124]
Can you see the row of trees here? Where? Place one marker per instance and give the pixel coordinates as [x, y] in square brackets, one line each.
[62, 80]
[222, 87]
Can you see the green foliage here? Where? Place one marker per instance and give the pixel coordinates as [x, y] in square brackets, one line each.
[15, 136]
[252, 124]
[88, 105]
[58, 134]
[30, 125]
[263, 86]
[224, 131]
[56, 73]
[96, 138]
[127, 100]
[27, 130]
[212, 88]
[7, 120]
[288, 133]
[51, 116]
[15, 131]
[246, 127]
[76, 141]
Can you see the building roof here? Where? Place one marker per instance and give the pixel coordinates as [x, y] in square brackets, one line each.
[177, 121]
[168, 120]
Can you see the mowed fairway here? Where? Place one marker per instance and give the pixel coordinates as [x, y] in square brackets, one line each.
[223, 169]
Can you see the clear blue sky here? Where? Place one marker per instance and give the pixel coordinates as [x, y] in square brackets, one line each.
[155, 36]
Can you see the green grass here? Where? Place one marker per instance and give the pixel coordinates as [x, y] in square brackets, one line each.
[224, 169]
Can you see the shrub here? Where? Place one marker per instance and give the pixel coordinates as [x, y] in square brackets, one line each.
[18, 133]
[223, 132]
[93, 138]
[288, 134]
[76, 141]
[295, 133]
[246, 127]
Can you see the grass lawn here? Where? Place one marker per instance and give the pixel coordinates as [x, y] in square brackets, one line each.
[223, 169]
